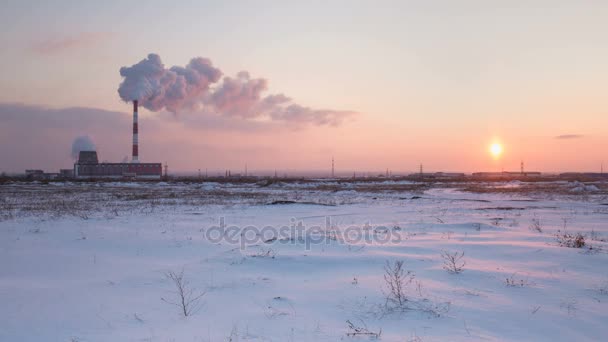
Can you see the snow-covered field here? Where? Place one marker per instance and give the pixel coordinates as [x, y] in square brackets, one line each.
[89, 262]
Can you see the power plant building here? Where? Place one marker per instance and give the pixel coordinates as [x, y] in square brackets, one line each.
[88, 166]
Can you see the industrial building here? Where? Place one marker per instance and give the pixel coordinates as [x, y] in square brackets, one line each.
[506, 174]
[88, 165]
[40, 175]
[34, 173]
[576, 175]
[66, 173]
[438, 175]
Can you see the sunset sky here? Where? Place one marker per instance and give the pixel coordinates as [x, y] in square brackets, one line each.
[431, 82]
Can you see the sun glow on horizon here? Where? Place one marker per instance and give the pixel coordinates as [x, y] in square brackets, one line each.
[496, 150]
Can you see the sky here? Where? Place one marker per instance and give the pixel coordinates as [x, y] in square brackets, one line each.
[375, 84]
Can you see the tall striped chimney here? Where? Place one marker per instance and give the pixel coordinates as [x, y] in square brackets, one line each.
[135, 139]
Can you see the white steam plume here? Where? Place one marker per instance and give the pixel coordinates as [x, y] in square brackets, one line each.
[82, 143]
[198, 85]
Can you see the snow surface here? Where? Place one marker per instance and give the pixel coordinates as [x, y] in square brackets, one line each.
[101, 276]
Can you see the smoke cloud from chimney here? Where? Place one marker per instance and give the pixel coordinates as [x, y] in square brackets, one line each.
[200, 86]
[82, 143]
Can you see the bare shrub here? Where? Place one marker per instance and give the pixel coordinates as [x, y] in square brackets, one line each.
[602, 288]
[570, 306]
[447, 235]
[396, 281]
[234, 334]
[264, 253]
[536, 225]
[514, 281]
[137, 318]
[452, 262]
[596, 237]
[414, 338]
[400, 290]
[361, 330]
[565, 239]
[565, 221]
[187, 297]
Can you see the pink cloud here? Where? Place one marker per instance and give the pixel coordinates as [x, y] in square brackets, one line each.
[55, 45]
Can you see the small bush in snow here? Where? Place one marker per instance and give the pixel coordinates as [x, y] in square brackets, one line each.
[414, 338]
[496, 221]
[234, 335]
[361, 330]
[396, 281]
[400, 289]
[187, 297]
[452, 262]
[565, 239]
[570, 306]
[536, 225]
[264, 253]
[596, 237]
[512, 281]
[602, 288]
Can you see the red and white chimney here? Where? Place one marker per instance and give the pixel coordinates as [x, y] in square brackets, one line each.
[135, 139]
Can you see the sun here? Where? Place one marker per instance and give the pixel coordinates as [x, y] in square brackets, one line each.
[496, 150]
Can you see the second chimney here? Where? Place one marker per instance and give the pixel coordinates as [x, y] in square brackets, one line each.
[135, 138]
